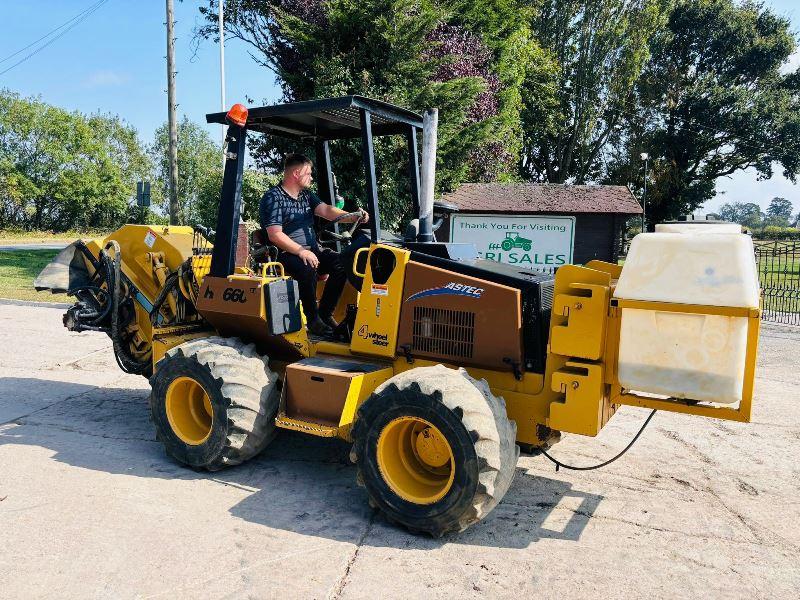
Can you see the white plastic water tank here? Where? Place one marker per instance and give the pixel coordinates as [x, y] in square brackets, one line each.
[685, 355]
[699, 227]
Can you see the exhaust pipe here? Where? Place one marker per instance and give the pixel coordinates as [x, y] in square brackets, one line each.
[430, 121]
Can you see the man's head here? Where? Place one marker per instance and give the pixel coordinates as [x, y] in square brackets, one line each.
[297, 171]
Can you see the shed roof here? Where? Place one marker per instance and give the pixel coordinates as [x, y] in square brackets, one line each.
[544, 197]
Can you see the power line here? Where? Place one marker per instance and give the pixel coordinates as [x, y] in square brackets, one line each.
[49, 33]
[82, 17]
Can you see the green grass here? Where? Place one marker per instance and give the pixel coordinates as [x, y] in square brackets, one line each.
[19, 268]
[16, 236]
[780, 276]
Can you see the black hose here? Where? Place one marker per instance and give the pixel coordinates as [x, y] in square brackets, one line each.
[602, 464]
[97, 316]
[169, 284]
[126, 362]
[93, 328]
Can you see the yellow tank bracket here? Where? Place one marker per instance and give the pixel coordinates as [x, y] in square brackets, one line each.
[688, 406]
[585, 311]
[586, 407]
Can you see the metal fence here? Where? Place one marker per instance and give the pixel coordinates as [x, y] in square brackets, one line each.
[779, 272]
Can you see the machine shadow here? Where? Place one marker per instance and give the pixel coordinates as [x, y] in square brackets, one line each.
[333, 506]
[300, 483]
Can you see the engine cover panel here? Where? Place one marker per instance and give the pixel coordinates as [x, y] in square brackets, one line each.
[461, 319]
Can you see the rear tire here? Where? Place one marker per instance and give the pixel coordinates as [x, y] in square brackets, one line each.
[467, 420]
[213, 402]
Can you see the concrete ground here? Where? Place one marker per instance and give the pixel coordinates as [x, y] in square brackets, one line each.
[90, 507]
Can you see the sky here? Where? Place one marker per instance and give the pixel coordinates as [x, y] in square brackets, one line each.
[113, 62]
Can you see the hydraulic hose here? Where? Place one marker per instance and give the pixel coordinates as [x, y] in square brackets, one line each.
[559, 464]
[95, 316]
[169, 284]
[126, 362]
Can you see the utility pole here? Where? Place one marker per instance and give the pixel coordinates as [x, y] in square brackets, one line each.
[645, 157]
[223, 108]
[173, 125]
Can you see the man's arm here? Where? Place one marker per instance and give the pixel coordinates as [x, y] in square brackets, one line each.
[287, 244]
[326, 211]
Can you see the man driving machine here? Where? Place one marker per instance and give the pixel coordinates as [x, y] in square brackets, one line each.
[287, 214]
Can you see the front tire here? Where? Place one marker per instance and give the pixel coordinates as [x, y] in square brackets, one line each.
[435, 449]
[213, 402]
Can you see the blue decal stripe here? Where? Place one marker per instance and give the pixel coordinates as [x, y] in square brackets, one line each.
[440, 292]
[147, 305]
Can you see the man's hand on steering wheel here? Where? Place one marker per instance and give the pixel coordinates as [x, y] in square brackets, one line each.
[360, 216]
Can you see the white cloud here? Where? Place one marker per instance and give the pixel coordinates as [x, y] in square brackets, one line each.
[793, 64]
[106, 78]
[744, 186]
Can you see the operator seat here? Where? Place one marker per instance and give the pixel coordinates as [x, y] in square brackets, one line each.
[261, 251]
[441, 210]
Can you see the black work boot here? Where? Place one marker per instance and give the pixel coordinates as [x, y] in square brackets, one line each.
[320, 327]
[329, 321]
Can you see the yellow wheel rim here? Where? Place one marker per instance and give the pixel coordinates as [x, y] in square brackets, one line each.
[189, 411]
[415, 460]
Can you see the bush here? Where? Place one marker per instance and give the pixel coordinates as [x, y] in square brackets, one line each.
[777, 233]
[64, 170]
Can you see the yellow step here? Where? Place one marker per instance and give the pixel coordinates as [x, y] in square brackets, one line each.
[285, 422]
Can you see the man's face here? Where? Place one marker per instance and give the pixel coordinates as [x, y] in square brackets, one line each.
[303, 176]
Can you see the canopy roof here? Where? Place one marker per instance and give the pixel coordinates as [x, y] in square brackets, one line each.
[327, 119]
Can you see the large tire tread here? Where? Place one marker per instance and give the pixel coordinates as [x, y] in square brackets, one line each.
[247, 389]
[481, 413]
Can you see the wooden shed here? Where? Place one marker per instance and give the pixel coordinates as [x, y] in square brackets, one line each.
[594, 215]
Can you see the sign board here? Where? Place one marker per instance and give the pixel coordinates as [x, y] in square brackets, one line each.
[530, 241]
[143, 193]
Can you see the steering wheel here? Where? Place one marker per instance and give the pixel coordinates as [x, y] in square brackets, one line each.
[346, 236]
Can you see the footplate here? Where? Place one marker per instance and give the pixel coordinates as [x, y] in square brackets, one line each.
[321, 394]
[285, 422]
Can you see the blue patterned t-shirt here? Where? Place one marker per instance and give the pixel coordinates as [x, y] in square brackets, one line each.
[296, 216]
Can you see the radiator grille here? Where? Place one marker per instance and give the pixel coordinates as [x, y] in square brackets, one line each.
[444, 332]
[546, 291]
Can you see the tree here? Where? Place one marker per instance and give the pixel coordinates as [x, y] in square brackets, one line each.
[254, 184]
[199, 160]
[467, 59]
[64, 170]
[779, 212]
[748, 214]
[599, 49]
[712, 101]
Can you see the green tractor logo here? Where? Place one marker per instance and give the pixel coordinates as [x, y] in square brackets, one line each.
[515, 240]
